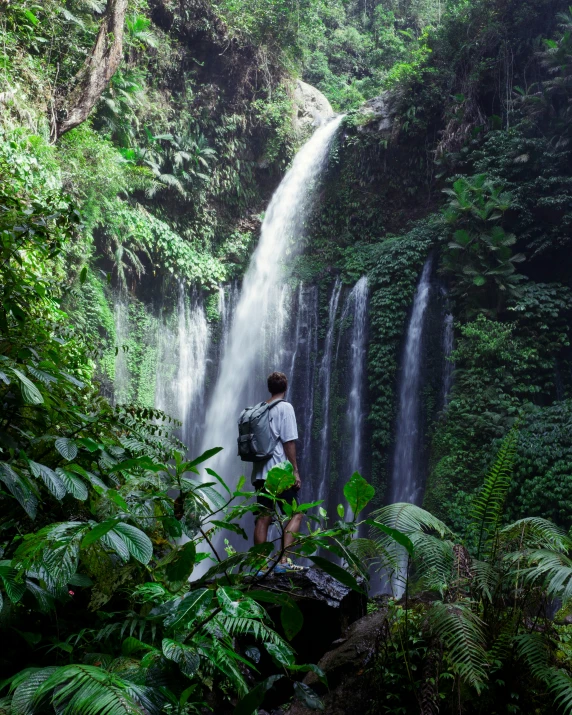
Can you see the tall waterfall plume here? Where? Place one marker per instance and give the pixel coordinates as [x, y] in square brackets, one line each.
[406, 483]
[448, 367]
[356, 416]
[254, 343]
[324, 382]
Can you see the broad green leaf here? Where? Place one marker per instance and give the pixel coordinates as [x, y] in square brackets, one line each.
[191, 605]
[186, 657]
[97, 532]
[204, 456]
[231, 527]
[181, 567]
[89, 444]
[116, 498]
[14, 589]
[113, 541]
[236, 604]
[341, 511]
[20, 488]
[280, 478]
[50, 479]
[310, 668]
[30, 392]
[281, 653]
[358, 493]
[396, 535]
[144, 462]
[212, 473]
[337, 572]
[67, 448]
[291, 619]
[254, 698]
[137, 541]
[73, 484]
[305, 694]
[133, 645]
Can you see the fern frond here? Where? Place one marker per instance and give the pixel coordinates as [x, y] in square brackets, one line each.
[553, 569]
[408, 518]
[461, 631]
[485, 579]
[433, 558]
[87, 690]
[488, 506]
[535, 532]
[532, 648]
[559, 684]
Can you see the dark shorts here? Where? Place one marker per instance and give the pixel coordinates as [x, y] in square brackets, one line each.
[266, 502]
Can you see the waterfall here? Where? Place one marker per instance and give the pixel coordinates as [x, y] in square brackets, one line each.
[448, 366]
[302, 370]
[324, 381]
[355, 416]
[121, 378]
[182, 342]
[406, 483]
[255, 342]
[193, 341]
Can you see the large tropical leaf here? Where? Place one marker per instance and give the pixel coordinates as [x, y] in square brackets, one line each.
[138, 543]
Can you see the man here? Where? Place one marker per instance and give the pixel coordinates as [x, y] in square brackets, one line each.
[284, 428]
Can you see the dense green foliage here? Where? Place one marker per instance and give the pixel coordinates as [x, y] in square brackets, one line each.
[466, 158]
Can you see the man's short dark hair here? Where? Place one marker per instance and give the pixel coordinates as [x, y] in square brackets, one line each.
[277, 383]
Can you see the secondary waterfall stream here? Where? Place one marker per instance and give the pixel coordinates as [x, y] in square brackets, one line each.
[255, 342]
[406, 483]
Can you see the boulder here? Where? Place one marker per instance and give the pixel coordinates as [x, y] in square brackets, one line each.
[312, 108]
[328, 607]
[381, 110]
[344, 667]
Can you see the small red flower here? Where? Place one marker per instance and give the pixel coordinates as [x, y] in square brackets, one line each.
[71, 593]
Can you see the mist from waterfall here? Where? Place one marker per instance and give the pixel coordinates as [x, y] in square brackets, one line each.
[407, 483]
[255, 341]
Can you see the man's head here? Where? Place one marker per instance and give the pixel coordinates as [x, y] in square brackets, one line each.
[277, 383]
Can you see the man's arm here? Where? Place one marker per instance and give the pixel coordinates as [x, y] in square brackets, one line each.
[290, 450]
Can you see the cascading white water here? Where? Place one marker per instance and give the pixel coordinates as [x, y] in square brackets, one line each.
[355, 416]
[406, 485]
[324, 381]
[245, 359]
[121, 379]
[448, 367]
[193, 341]
[302, 369]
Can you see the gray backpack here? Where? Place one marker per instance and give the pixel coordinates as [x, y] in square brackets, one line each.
[256, 443]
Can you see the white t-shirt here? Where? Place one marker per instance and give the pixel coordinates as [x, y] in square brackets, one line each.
[283, 426]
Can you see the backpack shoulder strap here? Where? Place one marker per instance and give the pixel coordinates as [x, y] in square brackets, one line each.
[274, 403]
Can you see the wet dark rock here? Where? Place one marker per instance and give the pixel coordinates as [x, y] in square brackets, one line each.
[328, 607]
[382, 111]
[344, 667]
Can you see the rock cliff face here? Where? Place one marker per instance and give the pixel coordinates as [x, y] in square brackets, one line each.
[312, 108]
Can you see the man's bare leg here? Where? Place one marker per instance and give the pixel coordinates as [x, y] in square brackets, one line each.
[261, 529]
[292, 527]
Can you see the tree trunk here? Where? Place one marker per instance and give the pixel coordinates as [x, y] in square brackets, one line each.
[90, 82]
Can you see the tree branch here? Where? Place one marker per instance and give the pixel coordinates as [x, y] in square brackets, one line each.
[93, 78]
